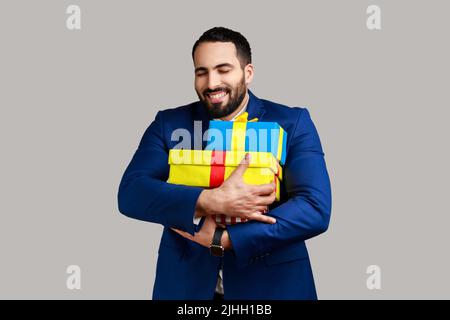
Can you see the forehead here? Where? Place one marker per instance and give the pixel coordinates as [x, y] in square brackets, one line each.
[210, 54]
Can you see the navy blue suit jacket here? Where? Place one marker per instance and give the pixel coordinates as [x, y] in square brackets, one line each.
[268, 261]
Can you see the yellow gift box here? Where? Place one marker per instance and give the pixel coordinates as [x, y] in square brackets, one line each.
[209, 168]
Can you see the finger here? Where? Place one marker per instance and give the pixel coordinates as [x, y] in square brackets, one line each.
[243, 165]
[266, 200]
[261, 209]
[262, 218]
[183, 234]
[263, 189]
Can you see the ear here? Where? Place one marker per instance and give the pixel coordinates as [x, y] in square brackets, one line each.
[248, 73]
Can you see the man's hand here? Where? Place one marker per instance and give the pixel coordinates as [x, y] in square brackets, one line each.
[205, 234]
[235, 198]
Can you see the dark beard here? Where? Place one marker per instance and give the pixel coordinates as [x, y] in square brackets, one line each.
[234, 102]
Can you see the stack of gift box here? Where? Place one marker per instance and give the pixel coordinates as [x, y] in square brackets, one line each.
[228, 142]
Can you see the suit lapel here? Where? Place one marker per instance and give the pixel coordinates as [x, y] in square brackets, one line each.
[255, 107]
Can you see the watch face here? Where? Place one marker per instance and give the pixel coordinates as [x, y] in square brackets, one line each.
[216, 251]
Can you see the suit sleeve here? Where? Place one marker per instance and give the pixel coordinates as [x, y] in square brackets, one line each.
[144, 193]
[307, 211]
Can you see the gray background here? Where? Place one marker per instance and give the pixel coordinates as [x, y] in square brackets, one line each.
[74, 105]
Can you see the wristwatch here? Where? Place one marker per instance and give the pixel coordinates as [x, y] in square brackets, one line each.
[216, 249]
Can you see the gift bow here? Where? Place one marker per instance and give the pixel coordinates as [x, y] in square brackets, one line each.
[244, 118]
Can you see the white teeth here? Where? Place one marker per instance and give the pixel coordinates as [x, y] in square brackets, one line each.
[216, 96]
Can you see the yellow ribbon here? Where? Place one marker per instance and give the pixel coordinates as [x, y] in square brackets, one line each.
[238, 133]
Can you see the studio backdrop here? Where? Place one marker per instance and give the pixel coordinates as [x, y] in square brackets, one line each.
[80, 81]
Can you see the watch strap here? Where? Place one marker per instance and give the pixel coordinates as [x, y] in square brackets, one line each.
[217, 237]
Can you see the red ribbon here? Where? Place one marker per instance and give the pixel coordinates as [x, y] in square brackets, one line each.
[217, 168]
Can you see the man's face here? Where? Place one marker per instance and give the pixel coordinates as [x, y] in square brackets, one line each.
[220, 82]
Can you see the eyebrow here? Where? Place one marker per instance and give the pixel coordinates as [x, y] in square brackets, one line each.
[216, 67]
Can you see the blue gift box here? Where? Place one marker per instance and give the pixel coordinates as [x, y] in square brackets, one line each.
[247, 136]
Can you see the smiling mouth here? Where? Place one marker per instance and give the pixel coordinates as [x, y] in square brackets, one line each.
[217, 97]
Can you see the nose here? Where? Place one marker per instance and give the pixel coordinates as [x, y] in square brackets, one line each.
[213, 81]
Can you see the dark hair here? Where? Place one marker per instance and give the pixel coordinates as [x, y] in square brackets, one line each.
[221, 34]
